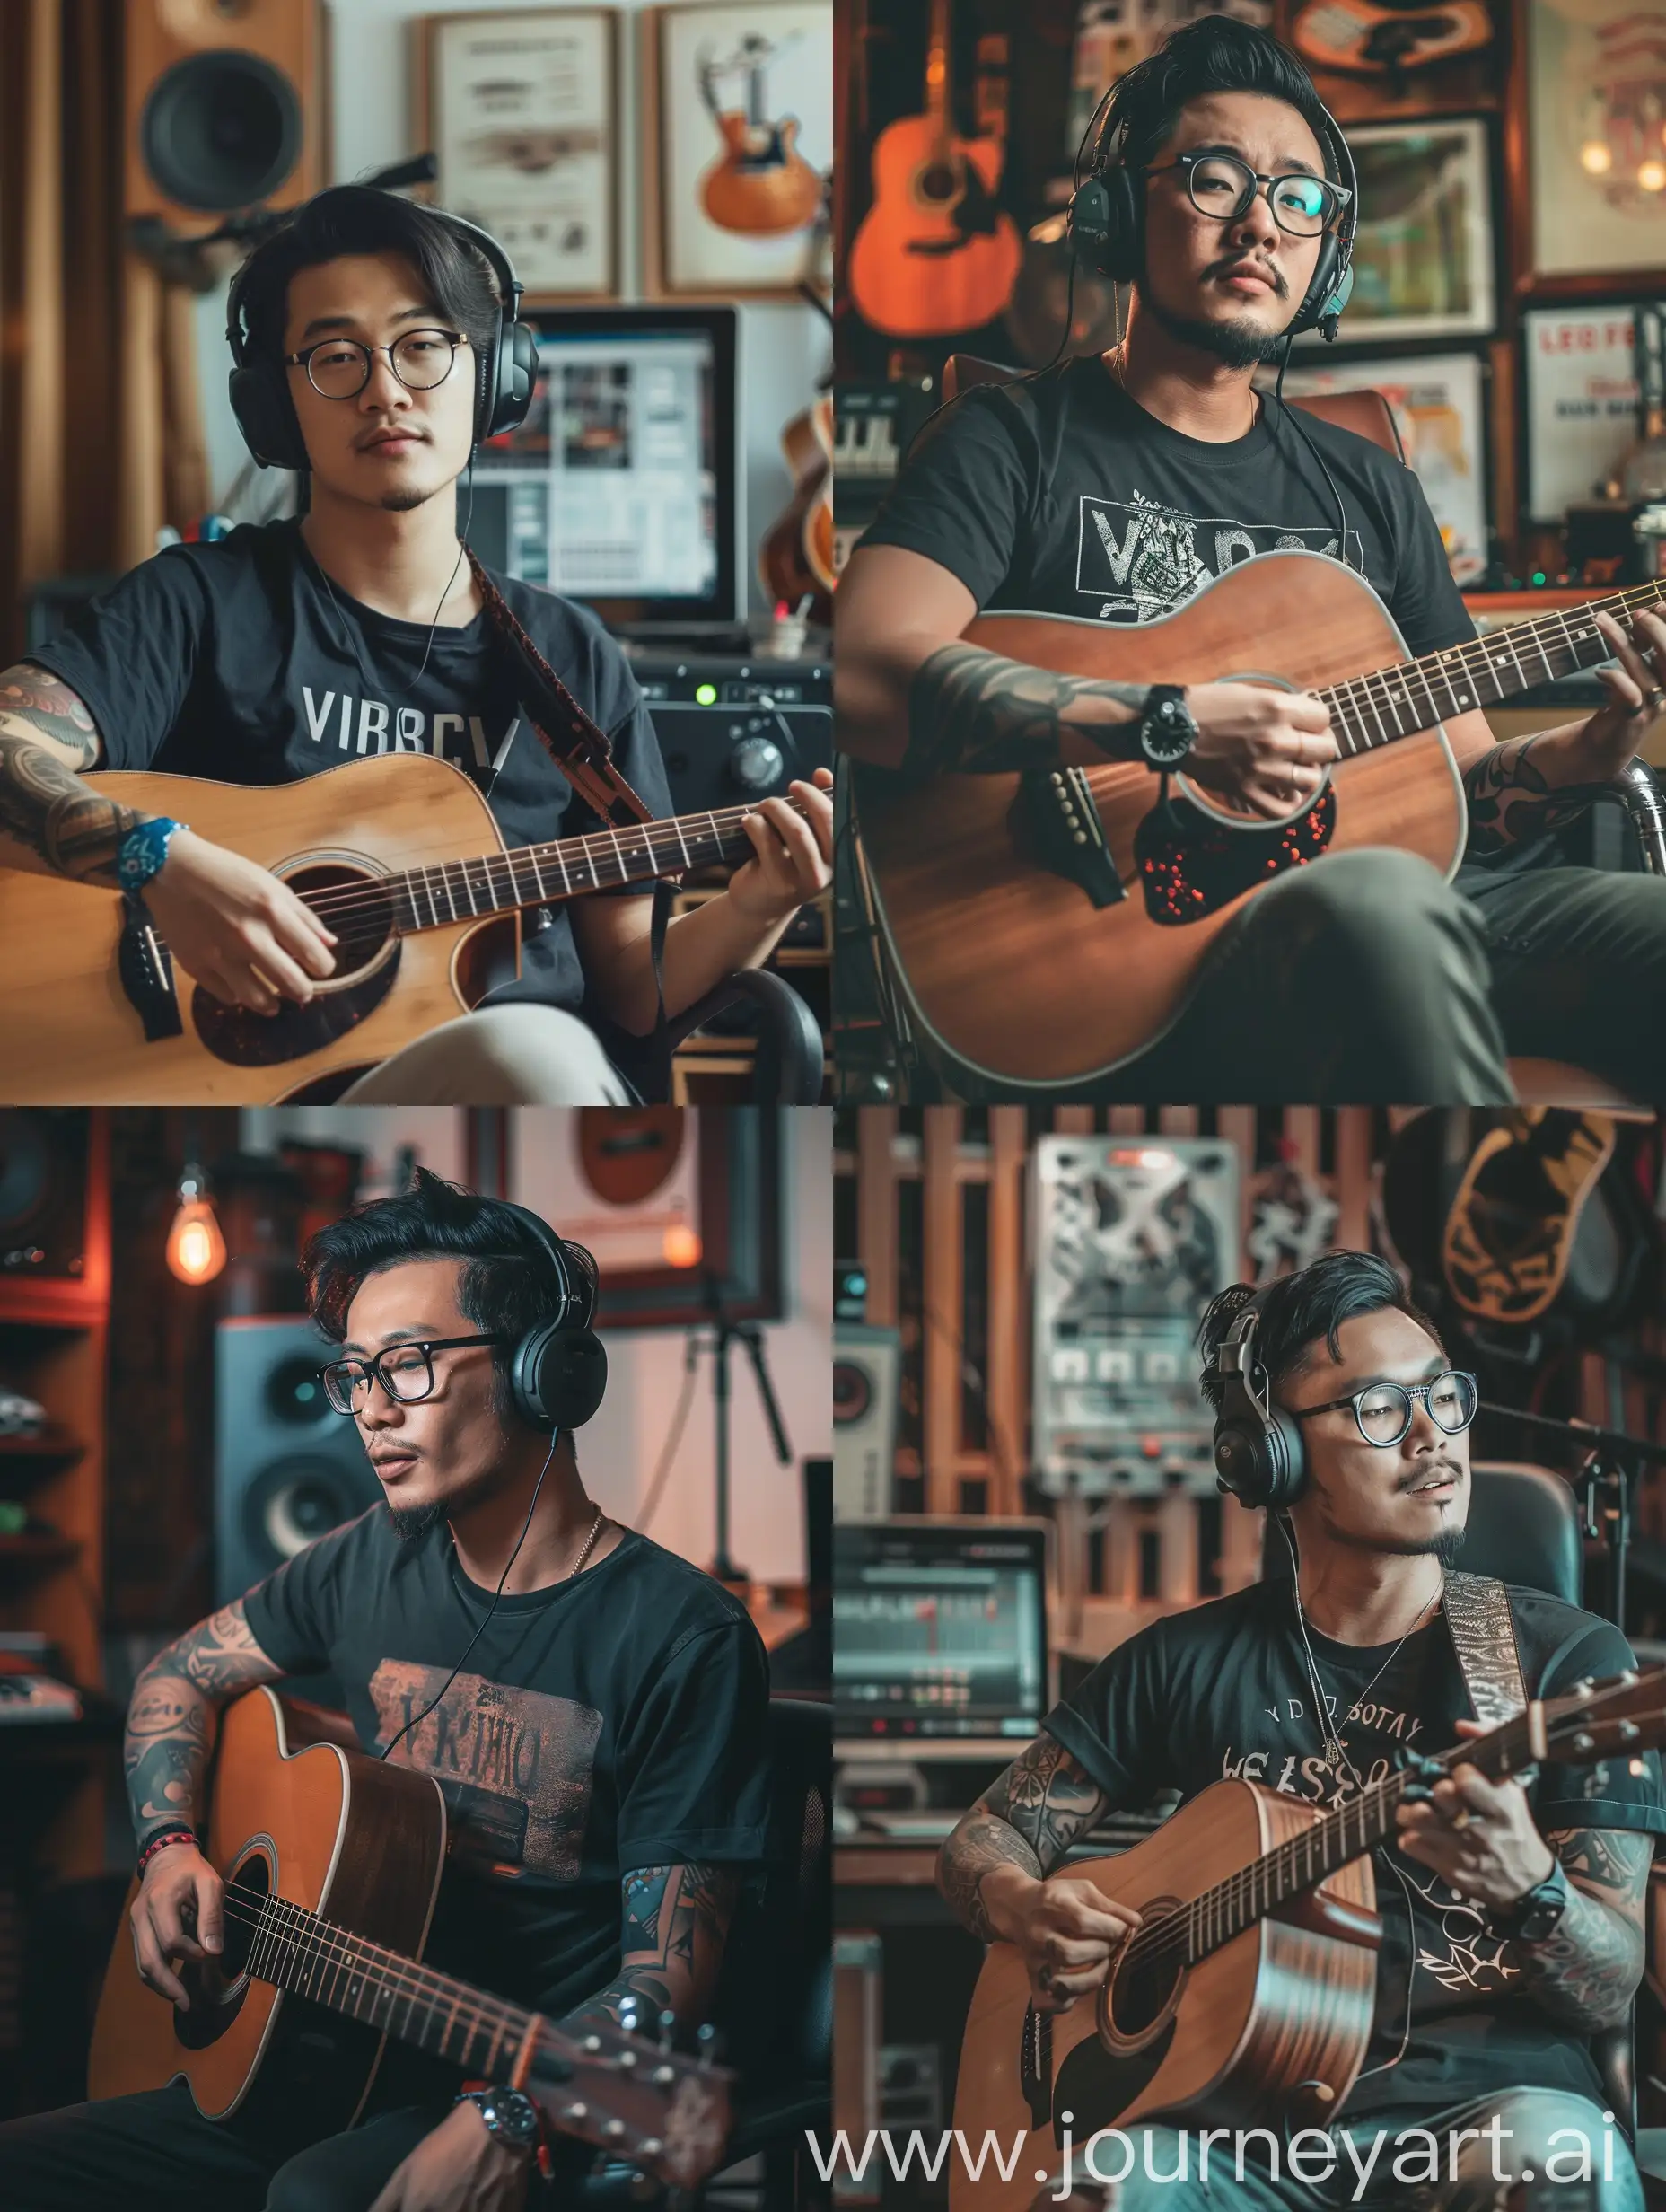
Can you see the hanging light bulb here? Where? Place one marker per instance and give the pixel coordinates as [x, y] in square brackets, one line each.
[195, 1248]
[1651, 176]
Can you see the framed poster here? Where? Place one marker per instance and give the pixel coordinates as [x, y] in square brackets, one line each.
[1582, 402]
[522, 112]
[1588, 159]
[1422, 261]
[739, 126]
[1438, 406]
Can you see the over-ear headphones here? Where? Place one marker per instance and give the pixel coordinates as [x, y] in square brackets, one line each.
[1258, 1456]
[559, 1371]
[1107, 219]
[507, 371]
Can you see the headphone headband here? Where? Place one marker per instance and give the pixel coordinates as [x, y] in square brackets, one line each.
[1258, 1453]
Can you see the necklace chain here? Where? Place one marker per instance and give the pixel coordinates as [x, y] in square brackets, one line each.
[595, 1531]
[1335, 1753]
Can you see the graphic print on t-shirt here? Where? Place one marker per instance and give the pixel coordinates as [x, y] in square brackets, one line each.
[1140, 559]
[339, 722]
[515, 1766]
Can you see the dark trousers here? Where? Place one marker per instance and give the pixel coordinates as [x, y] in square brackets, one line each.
[1367, 979]
[156, 2153]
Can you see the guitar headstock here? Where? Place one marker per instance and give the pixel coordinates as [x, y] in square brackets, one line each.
[635, 2099]
[1623, 1714]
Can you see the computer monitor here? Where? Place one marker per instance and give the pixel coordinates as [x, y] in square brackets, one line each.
[621, 487]
[940, 1630]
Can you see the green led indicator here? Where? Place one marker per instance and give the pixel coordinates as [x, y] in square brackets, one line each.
[706, 693]
[1539, 576]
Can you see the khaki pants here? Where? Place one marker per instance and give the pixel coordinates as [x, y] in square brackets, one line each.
[503, 1056]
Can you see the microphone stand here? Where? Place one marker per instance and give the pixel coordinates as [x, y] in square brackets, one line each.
[1609, 1474]
[751, 1337]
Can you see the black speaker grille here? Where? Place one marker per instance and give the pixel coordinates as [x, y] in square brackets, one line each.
[221, 131]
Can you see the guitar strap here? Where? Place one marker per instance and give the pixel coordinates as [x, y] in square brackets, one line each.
[1483, 1634]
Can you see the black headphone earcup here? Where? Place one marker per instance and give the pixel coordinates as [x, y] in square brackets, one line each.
[1286, 1462]
[267, 419]
[1260, 1462]
[1105, 224]
[517, 379]
[557, 1377]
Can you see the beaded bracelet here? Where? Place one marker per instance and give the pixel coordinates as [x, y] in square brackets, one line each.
[160, 1841]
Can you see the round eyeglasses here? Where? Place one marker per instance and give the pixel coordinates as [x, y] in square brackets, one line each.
[339, 368]
[405, 1371]
[1383, 1409]
[1223, 187]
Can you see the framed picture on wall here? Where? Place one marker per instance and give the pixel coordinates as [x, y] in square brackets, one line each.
[1440, 410]
[739, 136]
[522, 112]
[1423, 260]
[1587, 157]
[1582, 402]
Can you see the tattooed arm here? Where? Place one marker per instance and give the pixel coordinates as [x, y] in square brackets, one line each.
[675, 1923]
[1529, 788]
[1028, 1818]
[50, 822]
[171, 1718]
[1586, 1973]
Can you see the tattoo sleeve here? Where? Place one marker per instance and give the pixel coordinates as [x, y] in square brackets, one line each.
[44, 807]
[972, 710]
[675, 1924]
[1510, 802]
[1586, 1973]
[170, 1719]
[1028, 1818]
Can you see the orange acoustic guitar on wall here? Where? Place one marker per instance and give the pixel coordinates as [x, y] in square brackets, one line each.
[331, 1862]
[933, 255]
[761, 184]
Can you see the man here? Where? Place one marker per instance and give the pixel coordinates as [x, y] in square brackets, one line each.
[1485, 2002]
[1111, 489]
[598, 1731]
[286, 649]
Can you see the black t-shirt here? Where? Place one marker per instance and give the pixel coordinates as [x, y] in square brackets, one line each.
[231, 660]
[612, 1721]
[1223, 1691]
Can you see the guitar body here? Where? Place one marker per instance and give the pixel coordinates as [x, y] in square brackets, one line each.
[1224, 2042]
[1362, 40]
[72, 1034]
[914, 272]
[1012, 970]
[761, 184]
[331, 1830]
[795, 559]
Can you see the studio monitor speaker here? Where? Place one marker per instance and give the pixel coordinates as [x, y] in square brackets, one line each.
[44, 1161]
[226, 107]
[867, 1366]
[287, 1467]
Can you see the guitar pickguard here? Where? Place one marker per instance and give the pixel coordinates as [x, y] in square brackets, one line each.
[246, 1039]
[1191, 864]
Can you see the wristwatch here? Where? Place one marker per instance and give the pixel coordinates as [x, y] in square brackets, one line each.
[1531, 1918]
[510, 2115]
[1168, 730]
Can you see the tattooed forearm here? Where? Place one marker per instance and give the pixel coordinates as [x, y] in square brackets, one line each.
[1512, 802]
[675, 1923]
[172, 1715]
[1587, 1972]
[1029, 1818]
[33, 694]
[973, 710]
[46, 810]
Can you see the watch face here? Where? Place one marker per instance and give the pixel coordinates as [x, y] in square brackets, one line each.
[1167, 738]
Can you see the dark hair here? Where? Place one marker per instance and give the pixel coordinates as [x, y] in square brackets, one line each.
[1297, 1311]
[1217, 53]
[506, 1285]
[356, 218]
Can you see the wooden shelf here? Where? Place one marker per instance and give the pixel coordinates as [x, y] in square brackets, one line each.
[54, 1442]
[37, 1550]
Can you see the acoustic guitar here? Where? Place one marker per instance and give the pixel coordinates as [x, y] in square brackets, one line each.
[1048, 929]
[933, 254]
[1249, 1985]
[1361, 39]
[331, 1862]
[95, 1014]
[761, 184]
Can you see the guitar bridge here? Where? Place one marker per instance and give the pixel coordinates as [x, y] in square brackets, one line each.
[1059, 826]
[1035, 2065]
[146, 968]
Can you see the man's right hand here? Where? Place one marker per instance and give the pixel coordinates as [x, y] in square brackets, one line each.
[178, 1914]
[235, 928]
[1066, 1931]
[1261, 748]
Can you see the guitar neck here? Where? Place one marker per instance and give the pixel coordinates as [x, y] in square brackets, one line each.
[536, 875]
[937, 81]
[1391, 703]
[1302, 1861]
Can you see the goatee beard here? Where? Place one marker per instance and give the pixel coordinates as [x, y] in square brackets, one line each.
[1240, 343]
[409, 1522]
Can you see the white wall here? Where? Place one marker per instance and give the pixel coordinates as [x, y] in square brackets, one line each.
[621, 1447]
[784, 346]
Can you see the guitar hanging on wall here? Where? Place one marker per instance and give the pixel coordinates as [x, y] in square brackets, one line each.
[934, 254]
[760, 184]
[1358, 38]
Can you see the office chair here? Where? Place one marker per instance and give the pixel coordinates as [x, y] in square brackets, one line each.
[1523, 1527]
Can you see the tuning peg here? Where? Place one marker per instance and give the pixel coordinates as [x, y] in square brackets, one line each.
[668, 2027]
[630, 2013]
[709, 2037]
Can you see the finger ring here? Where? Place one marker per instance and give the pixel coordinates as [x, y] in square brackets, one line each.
[1462, 1818]
[1655, 699]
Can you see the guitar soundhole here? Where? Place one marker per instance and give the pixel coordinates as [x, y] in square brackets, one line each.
[359, 909]
[217, 1987]
[938, 183]
[1143, 1987]
[1191, 863]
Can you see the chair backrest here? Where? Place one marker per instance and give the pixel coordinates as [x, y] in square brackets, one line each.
[1366, 413]
[776, 2003]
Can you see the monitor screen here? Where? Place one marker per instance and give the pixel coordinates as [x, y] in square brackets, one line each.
[619, 488]
[939, 1629]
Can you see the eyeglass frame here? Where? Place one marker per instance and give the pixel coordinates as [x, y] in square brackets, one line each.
[371, 1368]
[1340, 194]
[1411, 1390]
[303, 359]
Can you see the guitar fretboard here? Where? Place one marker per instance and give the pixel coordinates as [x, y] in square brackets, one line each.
[1373, 710]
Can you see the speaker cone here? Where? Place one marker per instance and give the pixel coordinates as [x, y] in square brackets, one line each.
[221, 131]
